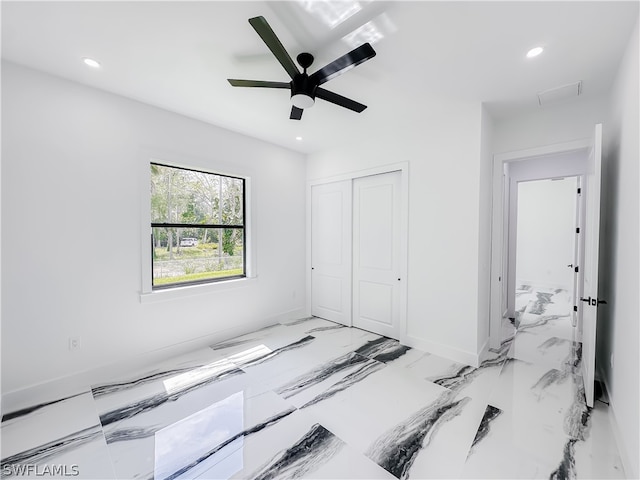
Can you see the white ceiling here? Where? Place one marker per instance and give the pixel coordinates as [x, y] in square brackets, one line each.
[178, 55]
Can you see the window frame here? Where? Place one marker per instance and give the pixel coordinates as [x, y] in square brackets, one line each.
[244, 227]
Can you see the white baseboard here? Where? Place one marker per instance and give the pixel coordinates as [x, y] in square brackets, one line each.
[484, 351]
[454, 354]
[78, 382]
[617, 435]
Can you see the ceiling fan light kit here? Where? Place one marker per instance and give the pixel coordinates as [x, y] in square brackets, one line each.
[305, 88]
[302, 100]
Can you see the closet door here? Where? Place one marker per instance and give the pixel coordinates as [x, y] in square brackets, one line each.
[376, 253]
[331, 241]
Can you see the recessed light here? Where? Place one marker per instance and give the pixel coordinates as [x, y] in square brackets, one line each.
[534, 52]
[91, 62]
[299, 138]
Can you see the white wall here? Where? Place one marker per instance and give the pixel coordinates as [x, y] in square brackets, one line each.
[546, 232]
[618, 332]
[71, 229]
[555, 123]
[441, 141]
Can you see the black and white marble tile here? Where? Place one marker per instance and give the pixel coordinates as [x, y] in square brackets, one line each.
[327, 356]
[270, 338]
[547, 325]
[164, 391]
[196, 440]
[406, 449]
[383, 350]
[339, 373]
[31, 409]
[260, 354]
[297, 446]
[318, 454]
[318, 327]
[525, 418]
[504, 449]
[542, 301]
[137, 381]
[62, 436]
[209, 436]
[555, 352]
[328, 379]
[364, 412]
[539, 305]
[595, 456]
[472, 386]
[250, 339]
[538, 417]
[316, 447]
[490, 414]
[509, 448]
[547, 338]
[314, 399]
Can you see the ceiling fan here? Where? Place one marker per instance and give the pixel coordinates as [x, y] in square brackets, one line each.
[306, 88]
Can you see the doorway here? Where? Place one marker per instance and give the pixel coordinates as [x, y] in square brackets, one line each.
[546, 239]
[582, 159]
[509, 171]
[544, 235]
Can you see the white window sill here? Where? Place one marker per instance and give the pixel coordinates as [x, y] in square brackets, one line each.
[193, 290]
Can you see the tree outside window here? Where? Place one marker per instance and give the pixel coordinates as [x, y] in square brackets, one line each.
[197, 226]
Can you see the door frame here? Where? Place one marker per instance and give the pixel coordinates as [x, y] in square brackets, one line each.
[500, 224]
[403, 168]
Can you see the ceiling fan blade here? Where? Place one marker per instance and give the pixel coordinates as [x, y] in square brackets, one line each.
[257, 83]
[352, 59]
[340, 100]
[263, 29]
[296, 113]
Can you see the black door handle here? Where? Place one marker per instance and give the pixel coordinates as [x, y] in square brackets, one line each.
[593, 301]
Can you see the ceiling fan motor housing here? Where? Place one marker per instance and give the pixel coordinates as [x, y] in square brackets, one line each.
[303, 91]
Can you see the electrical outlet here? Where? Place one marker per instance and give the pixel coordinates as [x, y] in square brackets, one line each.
[74, 343]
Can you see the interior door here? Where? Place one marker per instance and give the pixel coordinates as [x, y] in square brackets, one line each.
[578, 256]
[376, 253]
[331, 209]
[589, 300]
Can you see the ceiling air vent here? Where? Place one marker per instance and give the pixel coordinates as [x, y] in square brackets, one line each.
[560, 93]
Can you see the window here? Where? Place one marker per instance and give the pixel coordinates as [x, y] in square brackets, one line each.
[197, 227]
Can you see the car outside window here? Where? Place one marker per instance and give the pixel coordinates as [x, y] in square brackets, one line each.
[197, 226]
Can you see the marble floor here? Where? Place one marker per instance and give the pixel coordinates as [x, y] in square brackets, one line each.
[313, 399]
